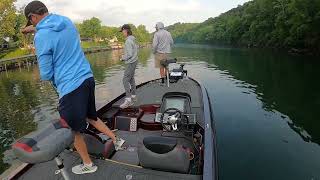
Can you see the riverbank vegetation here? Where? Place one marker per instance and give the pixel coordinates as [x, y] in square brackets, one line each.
[15, 53]
[92, 32]
[289, 24]
[93, 29]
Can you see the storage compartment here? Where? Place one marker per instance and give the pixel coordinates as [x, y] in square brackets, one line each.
[150, 109]
[109, 116]
[127, 119]
[147, 121]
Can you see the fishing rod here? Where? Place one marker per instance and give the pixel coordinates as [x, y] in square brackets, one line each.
[54, 88]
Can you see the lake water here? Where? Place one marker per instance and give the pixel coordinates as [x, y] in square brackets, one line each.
[265, 104]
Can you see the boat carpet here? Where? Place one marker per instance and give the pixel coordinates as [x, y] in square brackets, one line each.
[107, 169]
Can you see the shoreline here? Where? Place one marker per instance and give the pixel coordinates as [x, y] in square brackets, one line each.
[28, 60]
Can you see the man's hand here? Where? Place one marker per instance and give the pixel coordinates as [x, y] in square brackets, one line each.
[28, 29]
[121, 57]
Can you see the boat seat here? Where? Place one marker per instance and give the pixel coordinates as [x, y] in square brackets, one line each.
[148, 118]
[45, 144]
[147, 121]
[159, 145]
[163, 153]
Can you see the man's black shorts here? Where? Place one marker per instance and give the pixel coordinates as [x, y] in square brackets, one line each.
[79, 105]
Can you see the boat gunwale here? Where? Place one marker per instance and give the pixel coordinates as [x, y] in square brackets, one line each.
[210, 164]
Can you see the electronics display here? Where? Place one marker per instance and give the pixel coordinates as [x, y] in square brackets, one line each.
[126, 123]
[177, 103]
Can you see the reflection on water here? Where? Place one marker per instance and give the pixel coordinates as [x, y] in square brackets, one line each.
[264, 106]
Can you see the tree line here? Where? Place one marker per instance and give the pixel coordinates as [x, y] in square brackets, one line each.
[93, 29]
[259, 23]
[13, 19]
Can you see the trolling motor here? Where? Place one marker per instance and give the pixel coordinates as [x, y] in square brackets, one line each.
[177, 74]
[174, 75]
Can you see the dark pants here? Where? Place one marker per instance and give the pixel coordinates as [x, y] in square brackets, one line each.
[79, 105]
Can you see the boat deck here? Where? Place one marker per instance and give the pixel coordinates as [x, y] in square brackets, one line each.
[125, 164]
[121, 166]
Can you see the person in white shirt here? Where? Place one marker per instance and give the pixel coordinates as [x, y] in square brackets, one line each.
[161, 46]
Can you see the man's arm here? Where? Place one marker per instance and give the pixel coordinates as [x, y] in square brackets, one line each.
[155, 43]
[45, 59]
[28, 29]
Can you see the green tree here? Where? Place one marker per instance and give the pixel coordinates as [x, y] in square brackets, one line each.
[7, 18]
[141, 34]
[259, 23]
[20, 22]
[90, 28]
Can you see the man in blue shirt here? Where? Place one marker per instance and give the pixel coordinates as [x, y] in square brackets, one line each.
[62, 61]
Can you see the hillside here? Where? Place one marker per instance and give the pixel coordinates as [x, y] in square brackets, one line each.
[259, 23]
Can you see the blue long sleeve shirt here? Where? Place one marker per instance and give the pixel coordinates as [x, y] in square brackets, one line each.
[60, 56]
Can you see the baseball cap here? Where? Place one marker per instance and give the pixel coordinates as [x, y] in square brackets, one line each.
[34, 7]
[125, 26]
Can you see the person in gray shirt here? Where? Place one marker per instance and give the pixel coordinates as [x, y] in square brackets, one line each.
[130, 57]
[161, 46]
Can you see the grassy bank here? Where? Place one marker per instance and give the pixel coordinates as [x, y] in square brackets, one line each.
[85, 45]
[21, 52]
[15, 53]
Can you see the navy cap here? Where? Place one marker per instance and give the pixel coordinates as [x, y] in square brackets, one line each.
[125, 26]
[34, 7]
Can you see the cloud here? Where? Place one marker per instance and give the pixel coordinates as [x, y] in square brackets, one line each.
[147, 12]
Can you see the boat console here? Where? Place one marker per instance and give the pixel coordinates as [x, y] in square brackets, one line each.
[175, 114]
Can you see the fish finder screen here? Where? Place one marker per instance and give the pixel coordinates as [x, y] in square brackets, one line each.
[175, 103]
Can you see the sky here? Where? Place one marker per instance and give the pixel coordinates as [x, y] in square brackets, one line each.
[146, 12]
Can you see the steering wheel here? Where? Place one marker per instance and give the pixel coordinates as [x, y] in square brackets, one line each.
[173, 119]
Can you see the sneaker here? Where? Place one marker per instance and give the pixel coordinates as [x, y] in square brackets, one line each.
[127, 103]
[134, 98]
[118, 143]
[84, 169]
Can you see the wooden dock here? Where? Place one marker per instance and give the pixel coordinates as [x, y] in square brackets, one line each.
[29, 60]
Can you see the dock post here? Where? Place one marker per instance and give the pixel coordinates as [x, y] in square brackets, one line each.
[5, 67]
[19, 64]
[28, 65]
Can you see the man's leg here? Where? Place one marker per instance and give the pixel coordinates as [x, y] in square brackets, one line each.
[133, 86]
[126, 84]
[87, 166]
[125, 81]
[162, 72]
[132, 80]
[100, 126]
[93, 119]
[73, 108]
[81, 148]
[157, 58]
[163, 57]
